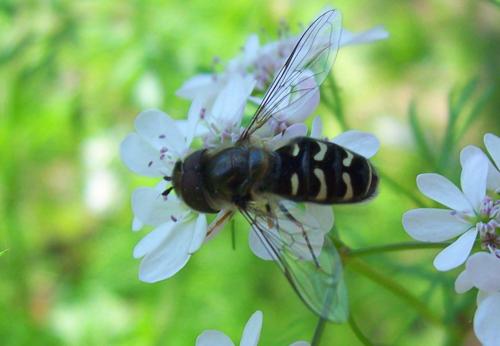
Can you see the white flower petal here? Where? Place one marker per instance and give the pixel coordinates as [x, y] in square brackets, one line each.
[201, 84]
[487, 320]
[484, 271]
[463, 283]
[481, 295]
[141, 158]
[440, 189]
[161, 131]
[300, 343]
[322, 213]
[137, 225]
[362, 143]
[492, 143]
[229, 104]
[305, 102]
[317, 128]
[199, 234]
[493, 179]
[170, 256]
[473, 178]
[456, 253]
[375, 34]
[153, 239]
[213, 338]
[258, 247]
[250, 50]
[433, 225]
[251, 333]
[281, 139]
[151, 208]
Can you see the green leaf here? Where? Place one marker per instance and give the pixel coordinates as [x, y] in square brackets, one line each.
[419, 136]
[475, 112]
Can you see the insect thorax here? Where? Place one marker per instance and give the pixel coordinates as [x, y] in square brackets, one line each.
[209, 181]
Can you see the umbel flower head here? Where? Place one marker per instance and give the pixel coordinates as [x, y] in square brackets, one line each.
[178, 231]
[482, 270]
[250, 337]
[471, 212]
[159, 142]
[261, 62]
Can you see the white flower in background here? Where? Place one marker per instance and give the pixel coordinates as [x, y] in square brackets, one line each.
[101, 190]
[250, 337]
[262, 63]
[149, 92]
[472, 212]
[482, 270]
[492, 143]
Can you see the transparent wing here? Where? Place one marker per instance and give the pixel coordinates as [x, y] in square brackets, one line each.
[307, 257]
[304, 70]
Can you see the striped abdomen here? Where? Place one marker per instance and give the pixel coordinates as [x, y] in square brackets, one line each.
[312, 170]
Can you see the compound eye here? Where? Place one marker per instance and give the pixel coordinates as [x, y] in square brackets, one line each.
[189, 183]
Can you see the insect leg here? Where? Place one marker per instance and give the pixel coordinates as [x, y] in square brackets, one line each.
[304, 234]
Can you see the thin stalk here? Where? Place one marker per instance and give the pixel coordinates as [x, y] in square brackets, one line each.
[411, 245]
[318, 332]
[394, 287]
[233, 234]
[357, 331]
[398, 187]
[335, 104]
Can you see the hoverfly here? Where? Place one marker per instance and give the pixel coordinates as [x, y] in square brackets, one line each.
[266, 185]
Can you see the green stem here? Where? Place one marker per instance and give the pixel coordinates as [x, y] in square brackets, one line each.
[336, 104]
[398, 187]
[394, 287]
[359, 334]
[318, 332]
[411, 245]
[233, 234]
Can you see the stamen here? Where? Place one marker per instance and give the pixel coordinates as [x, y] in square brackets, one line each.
[166, 192]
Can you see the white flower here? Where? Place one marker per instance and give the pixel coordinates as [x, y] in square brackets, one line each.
[156, 145]
[223, 118]
[153, 150]
[471, 212]
[482, 270]
[262, 63]
[178, 232]
[250, 337]
[492, 143]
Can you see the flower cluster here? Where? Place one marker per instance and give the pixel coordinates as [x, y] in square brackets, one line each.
[215, 117]
[250, 337]
[473, 215]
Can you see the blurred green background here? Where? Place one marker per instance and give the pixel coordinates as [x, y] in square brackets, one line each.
[73, 76]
